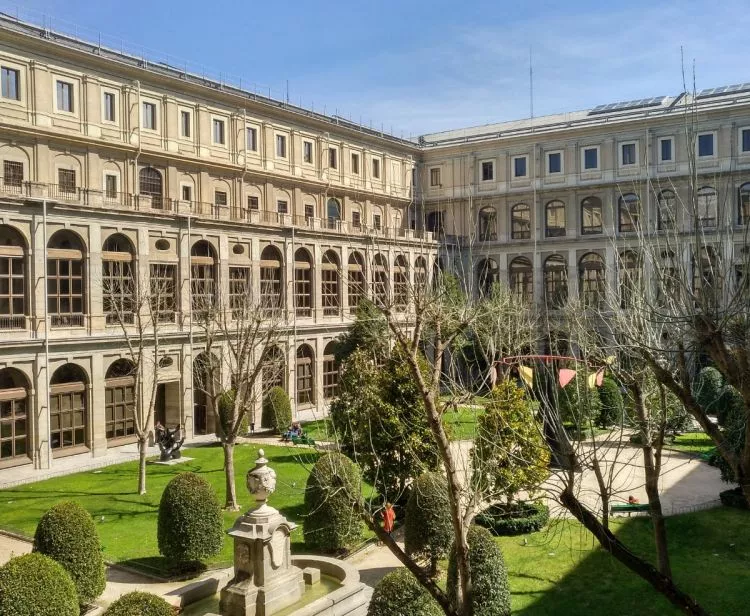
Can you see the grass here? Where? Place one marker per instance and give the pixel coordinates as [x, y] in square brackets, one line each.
[696, 443]
[319, 430]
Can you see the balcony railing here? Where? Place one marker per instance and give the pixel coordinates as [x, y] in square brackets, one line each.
[67, 320]
[15, 321]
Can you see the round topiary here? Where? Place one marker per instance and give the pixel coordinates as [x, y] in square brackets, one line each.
[399, 592]
[333, 488]
[140, 604]
[429, 530]
[190, 525]
[277, 410]
[36, 585]
[490, 591]
[517, 519]
[67, 534]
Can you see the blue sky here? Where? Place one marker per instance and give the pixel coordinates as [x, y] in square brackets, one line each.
[417, 67]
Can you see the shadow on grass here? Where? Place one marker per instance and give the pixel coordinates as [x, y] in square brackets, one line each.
[159, 567]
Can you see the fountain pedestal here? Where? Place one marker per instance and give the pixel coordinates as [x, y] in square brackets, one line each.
[265, 581]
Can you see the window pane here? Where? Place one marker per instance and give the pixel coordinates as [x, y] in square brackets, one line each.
[519, 167]
[706, 145]
[555, 163]
[590, 159]
[666, 149]
[10, 80]
[746, 140]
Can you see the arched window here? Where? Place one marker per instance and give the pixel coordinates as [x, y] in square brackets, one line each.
[554, 219]
[666, 201]
[119, 400]
[591, 216]
[305, 374]
[435, 223]
[12, 279]
[668, 285]
[357, 280]
[743, 205]
[400, 283]
[521, 275]
[487, 224]
[629, 213]
[68, 408]
[65, 280]
[380, 281]
[707, 275]
[15, 419]
[520, 222]
[591, 280]
[333, 212]
[303, 300]
[488, 273]
[117, 279]
[330, 287]
[420, 274]
[270, 280]
[630, 277]
[555, 281]
[150, 185]
[707, 206]
[274, 369]
[330, 372]
[203, 270]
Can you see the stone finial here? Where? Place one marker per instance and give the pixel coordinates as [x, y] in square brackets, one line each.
[261, 480]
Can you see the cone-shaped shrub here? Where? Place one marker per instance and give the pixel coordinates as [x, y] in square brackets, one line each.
[277, 410]
[429, 531]
[36, 585]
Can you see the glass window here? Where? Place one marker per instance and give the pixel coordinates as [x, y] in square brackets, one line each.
[149, 116]
[487, 226]
[220, 198]
[628, 154]
[522, 279]
[400, 283]
[109, 107]
[163, 297]
[520, 222]
[356, 220]
[555, 219]
[591, 216]
[376, 168]
[332, 158]
[305, 375]
[309, 212]
[239, 292]
[357, 287]
[187, 193]
[12, 173]
[706, 145]
[281, 146]
[745, 139]
[376, 221]
[251, 139]
[630, 213]
[333, 212]
[282, 207]
[302, 283]
[270, 280]
[591, 158]
[554, 162]
[185, 124]
[65, 96]
[707, 206]
[110, 186]
[355, 164]
[519, 167]
[218, 131]
[11, 79]
[488, 171]
[66, 180]
[488, 273]
[666, 150]
[435, 177]
[253, 203]
[555, 281]
[666, 210]
[591, 281]
[330, 372]
[307, 151]
[743, 209]
[329, 282]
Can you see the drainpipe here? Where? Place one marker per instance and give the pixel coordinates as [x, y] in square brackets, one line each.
[190, 324]
[140, 147]
[46, 336]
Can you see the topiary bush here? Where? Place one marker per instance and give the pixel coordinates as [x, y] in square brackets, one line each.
[399, 592]
[67, 534]
[490, 591]
[36, 585]
[140, 604]
[517, 519]
[429, 530]
[707, 389]
[334, 485]
[190, 526]
[277, 410]
[612, 404]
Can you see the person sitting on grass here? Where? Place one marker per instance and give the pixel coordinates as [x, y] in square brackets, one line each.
[294, 431]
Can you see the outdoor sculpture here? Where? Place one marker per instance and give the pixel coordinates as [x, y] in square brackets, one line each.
[169, 442]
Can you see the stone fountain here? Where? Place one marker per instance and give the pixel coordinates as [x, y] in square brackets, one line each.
[265, 580]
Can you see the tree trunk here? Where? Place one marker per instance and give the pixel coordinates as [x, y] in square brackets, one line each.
[230, 502]
[142, 446]
[661, 583]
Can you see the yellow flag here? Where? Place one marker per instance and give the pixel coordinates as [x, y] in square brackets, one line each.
[527, 375]
[591, 380]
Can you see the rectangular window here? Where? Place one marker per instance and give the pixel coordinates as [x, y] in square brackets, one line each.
[12, 173]
[149, 116]
[665, 150]
[554, 162]
[355, 164]
[745, 140]
[220, 198]
[163, 291]
[251, 139]
[590, 159]
[11, 79]
[309, 212]
[282, 207]
[377, 222]
[110, 186]
[488, 171]
[253, 203]
[185, 124]
[187, 193]
[281, 146]
[628, 154]
[706, 145]
[66, 180]
[109, 107]
[307, 152]
[332, 162]
[376, 168]
[239, 289]
[218, 131]
[435, 177]
[519, 167]
[356, 220]
[65, 96]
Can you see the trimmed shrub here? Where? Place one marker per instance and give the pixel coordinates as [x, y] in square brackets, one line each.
[36, 585]
[707, 389]
[67, 534]
[490, 591]
[190, 525]
[518, 519]
[399, 592]
[332, 525]
[612, 404]
[140, 604]
[429, 530]
[277, 410]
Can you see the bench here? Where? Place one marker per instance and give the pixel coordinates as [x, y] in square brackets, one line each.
[303, 440]
[628, 508]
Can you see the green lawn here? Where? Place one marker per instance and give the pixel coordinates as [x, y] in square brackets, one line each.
[696, 443]
[127, 521]
[319, 430]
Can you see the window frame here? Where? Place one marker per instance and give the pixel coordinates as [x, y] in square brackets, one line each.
[435, 177]
[661, 141]
[307, 152]
[621, 154]
[107, 108]
[333, 157]
[71, 95]
[487, 164]
[281, 147]
[154, 116]
[741, 140]
[548, 157]
[514, 163]
[597, 151]
[282, 209]
[558, 231]
[10, 69]
[355, 163]
[376, 168]
[714, 145]
[519, 234]
[590, 229]
[186, 113]
[219, 129]
[251, 138]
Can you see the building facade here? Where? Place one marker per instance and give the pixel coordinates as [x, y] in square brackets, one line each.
[111, 168]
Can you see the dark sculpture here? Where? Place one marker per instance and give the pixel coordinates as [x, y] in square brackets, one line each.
[169, 441]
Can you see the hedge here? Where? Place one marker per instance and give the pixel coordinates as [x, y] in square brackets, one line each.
[490, 591]
[734, 498]
[277, 410]
[67, 534]
[612, 403]
[36, 585]
[334, 485]
[140, 604]
[429, 530]
[190, 526]
[522, 518]
[399, 592]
